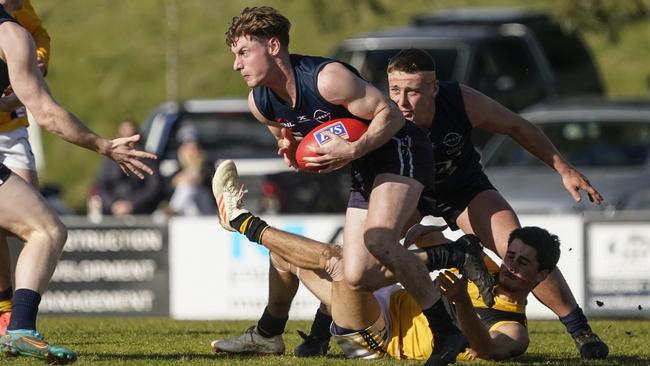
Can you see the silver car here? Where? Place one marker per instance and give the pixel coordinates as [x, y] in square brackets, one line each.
[607, 141]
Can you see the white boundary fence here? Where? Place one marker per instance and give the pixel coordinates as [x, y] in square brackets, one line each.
[190, 268]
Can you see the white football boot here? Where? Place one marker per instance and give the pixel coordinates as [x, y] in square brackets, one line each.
[228, 193]
[250, 342]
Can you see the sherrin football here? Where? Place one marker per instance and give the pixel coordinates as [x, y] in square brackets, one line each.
[347, 128]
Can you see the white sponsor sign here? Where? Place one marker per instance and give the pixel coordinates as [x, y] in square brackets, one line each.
[217, 274]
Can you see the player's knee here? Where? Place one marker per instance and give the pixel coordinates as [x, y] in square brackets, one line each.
[356, 277]
[50, 231]
[378, 243]
[57, 234]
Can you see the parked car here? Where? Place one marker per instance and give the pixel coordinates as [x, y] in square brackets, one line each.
[517, 57]
[227, 130]
[608, 141]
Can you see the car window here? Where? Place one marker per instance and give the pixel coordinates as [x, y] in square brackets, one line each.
[504, 64]
[372, 63]
[504, 69]
[597, 144]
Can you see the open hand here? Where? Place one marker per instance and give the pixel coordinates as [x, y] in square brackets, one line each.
[574, 182]
[123, 152]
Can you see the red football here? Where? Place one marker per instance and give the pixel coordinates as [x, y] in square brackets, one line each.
[348, 128]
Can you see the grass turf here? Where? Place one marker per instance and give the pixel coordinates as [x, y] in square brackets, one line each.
[160, 341]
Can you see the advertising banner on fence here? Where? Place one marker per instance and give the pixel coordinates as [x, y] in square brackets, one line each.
[110, 268]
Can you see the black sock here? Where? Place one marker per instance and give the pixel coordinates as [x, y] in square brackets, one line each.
[320, 328]
[575, 321]
[439, 319]
[449, 255]
[25, 309]
[250, 225]
[269, 326]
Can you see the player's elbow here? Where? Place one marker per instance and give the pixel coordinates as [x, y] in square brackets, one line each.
[46, 118]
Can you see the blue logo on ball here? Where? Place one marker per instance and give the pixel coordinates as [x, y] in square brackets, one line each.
[337, 129]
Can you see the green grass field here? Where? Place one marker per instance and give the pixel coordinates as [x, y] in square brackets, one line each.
[158, 341]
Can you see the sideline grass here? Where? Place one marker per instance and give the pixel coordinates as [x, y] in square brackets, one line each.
[160, 341]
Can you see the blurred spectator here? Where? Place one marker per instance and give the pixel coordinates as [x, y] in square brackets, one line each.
[191, 195]
[122, 195]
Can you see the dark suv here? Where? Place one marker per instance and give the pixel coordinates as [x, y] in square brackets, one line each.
[517, 57]
[227, 130]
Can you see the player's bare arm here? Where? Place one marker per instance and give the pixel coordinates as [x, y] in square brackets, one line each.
[30, 87]
[340, 86]
[508, 340]
[486, 114]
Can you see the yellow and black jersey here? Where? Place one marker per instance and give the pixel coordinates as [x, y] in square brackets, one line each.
[503, 311]
[411, 337]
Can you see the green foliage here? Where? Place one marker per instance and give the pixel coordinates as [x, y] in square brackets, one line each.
[151, 341]
[605, 16]
[109, 57]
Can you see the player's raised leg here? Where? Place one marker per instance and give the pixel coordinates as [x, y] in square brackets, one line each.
[266, 336]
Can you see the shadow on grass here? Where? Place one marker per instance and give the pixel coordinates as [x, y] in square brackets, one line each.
[611, 360]
[162, 356]
[190, 356]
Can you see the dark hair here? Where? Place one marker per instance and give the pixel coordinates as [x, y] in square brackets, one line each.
[546, 244]
[411, 60]
[259, 22]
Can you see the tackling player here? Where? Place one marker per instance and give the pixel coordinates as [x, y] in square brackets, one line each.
[463, 194]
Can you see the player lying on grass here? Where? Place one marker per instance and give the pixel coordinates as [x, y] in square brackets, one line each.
[389, 322]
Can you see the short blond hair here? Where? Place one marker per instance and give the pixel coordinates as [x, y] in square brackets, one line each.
[259, 23]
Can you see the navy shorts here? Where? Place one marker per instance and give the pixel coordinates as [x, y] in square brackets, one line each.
[449, 204]
[408, 154]
[4, 173]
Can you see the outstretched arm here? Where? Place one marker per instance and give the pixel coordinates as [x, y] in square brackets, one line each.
[508, 340]
[486, 114]
[28, 84]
